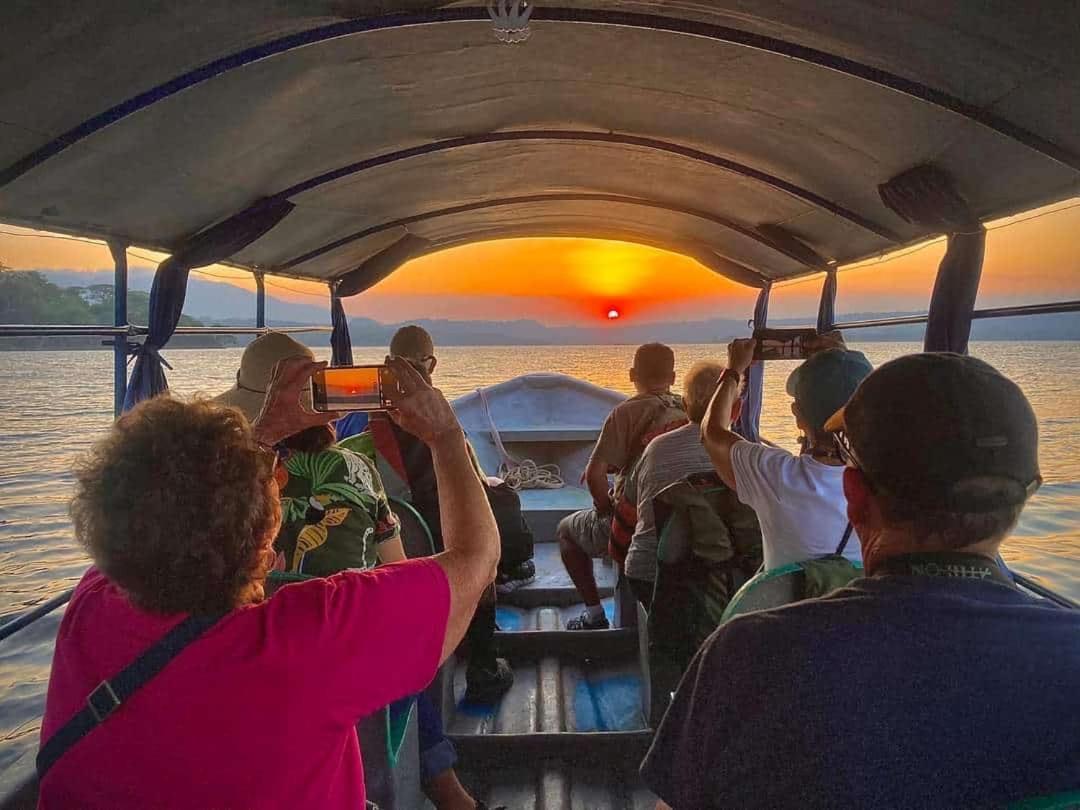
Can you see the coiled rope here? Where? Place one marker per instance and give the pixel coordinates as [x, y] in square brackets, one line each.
[524, 473]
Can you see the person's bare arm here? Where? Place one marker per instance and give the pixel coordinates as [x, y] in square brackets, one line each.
[597, 482]
[469, 531]
[716, 433]
[391, 551]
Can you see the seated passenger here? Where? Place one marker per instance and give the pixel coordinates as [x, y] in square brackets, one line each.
[669, 458]
[799, 500]
[335, 516]
[178, 508]
[631, 425]
[334, 511]
[487, 676]
[933, 682]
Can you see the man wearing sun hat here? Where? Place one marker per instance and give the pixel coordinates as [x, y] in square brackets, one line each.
[324, 529]
[799, 499]
[257, 367]
[932, 682]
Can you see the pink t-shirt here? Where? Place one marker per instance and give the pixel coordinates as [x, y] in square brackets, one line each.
[260, 711]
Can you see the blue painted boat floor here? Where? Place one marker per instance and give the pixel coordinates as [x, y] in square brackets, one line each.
[570, 733]
[551, 695]
[515, 619]
[550, 572]
[571, 497]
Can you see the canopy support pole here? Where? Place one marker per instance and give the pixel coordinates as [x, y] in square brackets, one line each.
[120, 318]
[948, 324]
[340, 342]
[260, 301]
[826, 315]
[926, 195]
[753, 391]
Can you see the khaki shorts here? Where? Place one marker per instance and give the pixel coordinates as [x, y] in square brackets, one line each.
[589, 531]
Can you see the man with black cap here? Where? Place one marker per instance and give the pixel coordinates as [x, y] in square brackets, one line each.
[934, 681]
[799, 500]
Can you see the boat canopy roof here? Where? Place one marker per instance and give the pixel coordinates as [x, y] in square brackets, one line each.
[750, 135]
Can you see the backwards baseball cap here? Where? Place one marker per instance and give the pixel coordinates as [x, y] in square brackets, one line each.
[945, 431]
[823, 383]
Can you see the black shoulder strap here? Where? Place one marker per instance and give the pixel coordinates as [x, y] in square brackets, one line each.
[844, 540]
[110, 695]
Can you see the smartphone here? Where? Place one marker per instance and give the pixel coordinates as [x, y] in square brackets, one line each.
[353, 388]
[781, 344]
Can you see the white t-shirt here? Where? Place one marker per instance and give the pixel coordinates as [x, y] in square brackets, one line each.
[799, 503]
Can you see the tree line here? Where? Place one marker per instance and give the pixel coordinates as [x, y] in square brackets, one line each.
[27, 297]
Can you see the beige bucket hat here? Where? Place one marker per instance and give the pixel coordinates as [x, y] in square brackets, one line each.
[256, 370]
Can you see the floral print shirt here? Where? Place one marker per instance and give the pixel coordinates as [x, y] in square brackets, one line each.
[335, 513]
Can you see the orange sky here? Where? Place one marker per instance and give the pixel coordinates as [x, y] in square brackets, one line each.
[579, 280]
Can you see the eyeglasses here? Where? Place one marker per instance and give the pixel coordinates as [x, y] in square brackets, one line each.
[847, 455]
[843, 446]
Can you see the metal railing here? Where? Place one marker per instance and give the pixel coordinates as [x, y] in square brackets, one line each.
[30, 330]
[35, 613]
[979, 314]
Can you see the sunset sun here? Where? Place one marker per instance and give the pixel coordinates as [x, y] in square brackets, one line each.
[612, 314]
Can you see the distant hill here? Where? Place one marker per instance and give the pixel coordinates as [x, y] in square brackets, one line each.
[30, 298]
[208, 301]
[225, 305]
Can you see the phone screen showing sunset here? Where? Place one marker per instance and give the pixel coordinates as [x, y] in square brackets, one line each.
[349, 389]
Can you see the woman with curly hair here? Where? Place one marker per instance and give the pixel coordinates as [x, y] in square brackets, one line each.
[178, 507]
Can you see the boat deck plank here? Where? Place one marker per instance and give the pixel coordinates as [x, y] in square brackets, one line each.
[556, 695]
[560, 785]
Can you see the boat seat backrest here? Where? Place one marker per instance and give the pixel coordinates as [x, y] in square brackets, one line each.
[792, 583]
[390, 747]
[416, 536]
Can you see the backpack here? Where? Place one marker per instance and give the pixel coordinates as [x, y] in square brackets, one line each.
[515, 536]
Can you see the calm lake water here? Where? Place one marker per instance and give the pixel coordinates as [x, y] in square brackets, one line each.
[53, 404]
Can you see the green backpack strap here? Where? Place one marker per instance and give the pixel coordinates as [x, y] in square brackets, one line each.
[826, 574]
[397, 725]
[1059, 801]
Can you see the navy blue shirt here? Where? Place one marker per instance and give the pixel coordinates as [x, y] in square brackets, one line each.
[898, 691]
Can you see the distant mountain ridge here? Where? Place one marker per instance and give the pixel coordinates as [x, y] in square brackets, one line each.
[226, 305]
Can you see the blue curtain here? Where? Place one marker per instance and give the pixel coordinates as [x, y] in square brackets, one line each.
[826, 314]
[948, 324]
[340, 342]
[750, 418]
[212, 245]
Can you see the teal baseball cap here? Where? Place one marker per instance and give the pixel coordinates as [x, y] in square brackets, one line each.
[825, 382]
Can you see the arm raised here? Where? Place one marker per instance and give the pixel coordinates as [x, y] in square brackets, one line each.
[469, 531]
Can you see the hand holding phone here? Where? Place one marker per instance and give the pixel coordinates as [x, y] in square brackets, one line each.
[354, 388]
[420, 409]
[282, 413]
[783, 344]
